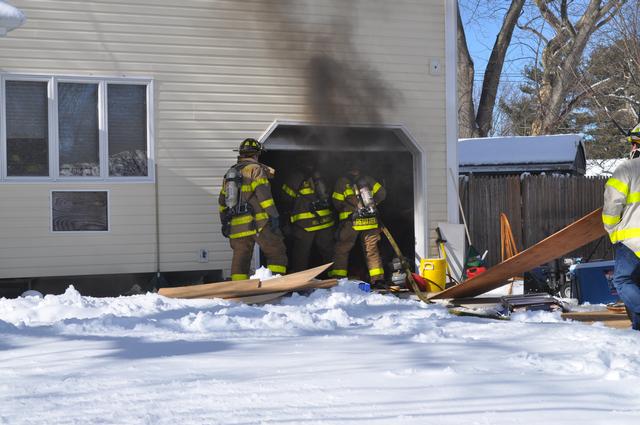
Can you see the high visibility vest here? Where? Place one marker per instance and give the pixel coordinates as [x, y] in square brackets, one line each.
[621, 210]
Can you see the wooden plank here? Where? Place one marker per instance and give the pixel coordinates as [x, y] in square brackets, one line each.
[258, 299]
[572, 237]
[608, 318]
[207, 290]
[272, 296]
[242, 288]
[292, 281]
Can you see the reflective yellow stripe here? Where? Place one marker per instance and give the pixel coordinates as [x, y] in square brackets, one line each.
[275, 268]
[246, 188]
[345, 214]
[267, 203]
[376, 188]
[338, 196]
[242, 234]
[286, 189]
[258, 182]
[306, 215]
[262, 216]
[610, 220]
[221, 208]
[301, 216]
[319, 227]
[633, 198]
[306, 191]
[244, 219]
[348, 191]
[624, 234]
[376, 272]
[239, 276]
[338, 273]
[618, 185]
[223, 192]
[367, 227]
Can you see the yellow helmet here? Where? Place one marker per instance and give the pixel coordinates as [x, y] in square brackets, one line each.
[633, 135]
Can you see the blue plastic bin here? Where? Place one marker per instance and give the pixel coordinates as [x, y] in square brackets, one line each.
[593, 282]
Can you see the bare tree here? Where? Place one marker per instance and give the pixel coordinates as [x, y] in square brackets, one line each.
[472, 123]
[571, 24]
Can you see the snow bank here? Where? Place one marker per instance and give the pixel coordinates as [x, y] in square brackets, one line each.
[339, 356]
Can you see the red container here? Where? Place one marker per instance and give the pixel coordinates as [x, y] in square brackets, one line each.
[475, 271]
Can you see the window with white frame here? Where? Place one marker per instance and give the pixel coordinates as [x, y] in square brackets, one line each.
[66, 128]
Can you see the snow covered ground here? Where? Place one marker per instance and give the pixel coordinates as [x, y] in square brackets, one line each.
[339, 356]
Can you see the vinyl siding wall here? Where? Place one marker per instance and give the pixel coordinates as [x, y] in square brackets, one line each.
[223, 70]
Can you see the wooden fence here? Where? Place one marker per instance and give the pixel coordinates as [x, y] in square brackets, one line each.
[536, 207]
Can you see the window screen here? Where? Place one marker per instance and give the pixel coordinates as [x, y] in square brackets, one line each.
[27, 128]
[78, 129]
[127, 112]
[79, 211]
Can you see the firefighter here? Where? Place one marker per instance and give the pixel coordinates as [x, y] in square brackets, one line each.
[248, 213]
[312, 220]
[621, 218]
[356, 197]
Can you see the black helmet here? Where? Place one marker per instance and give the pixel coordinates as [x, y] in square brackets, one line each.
[250, 147]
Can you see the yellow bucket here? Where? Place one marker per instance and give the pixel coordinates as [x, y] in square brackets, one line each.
[434, 270]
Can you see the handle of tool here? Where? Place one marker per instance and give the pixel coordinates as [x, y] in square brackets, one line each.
[407, 269]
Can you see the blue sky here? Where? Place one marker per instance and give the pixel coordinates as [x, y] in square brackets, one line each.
[481, 35]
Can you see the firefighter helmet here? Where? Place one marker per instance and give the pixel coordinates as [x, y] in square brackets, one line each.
[633, 135]
[250, 147]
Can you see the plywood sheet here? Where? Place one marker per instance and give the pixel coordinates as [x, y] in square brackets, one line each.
[572, 237]
[243, 288]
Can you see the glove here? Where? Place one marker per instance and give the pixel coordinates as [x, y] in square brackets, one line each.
[226, 230]
[225, 218]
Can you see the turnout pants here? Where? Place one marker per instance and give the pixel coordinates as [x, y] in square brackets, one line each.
[626, 276]
[303, 242]
[347, 238]
[270, 243]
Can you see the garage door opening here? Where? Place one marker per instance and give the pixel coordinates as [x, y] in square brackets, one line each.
[386, 153]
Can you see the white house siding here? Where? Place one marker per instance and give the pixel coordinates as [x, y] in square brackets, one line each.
[223, 70]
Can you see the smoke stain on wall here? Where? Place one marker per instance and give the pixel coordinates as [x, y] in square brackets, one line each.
[341, 87]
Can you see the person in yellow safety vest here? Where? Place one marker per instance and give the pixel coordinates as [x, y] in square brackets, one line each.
[310, 214]
[248, 213]
[621, 218]
[356, 198]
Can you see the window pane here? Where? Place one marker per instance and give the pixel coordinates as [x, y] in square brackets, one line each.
[78, 129]
[127, 110]
[27, 128]
[79, 211]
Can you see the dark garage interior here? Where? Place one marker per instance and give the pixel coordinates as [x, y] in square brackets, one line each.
[381, 154]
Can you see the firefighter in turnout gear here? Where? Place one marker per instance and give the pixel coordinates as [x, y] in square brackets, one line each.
[356, 198]
[248, 213]
[621, 218]
[306, 197]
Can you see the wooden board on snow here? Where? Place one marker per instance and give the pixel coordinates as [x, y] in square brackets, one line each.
[572, 237]
[608, 318]
[244, 288]
[273, 296]
[259, 299]
[212, 290]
